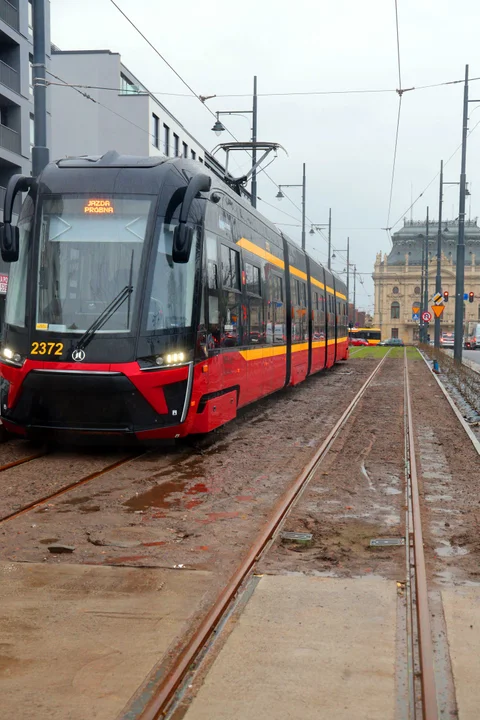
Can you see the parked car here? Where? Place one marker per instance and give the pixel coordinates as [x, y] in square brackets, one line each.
[397, 342]
[447, 339]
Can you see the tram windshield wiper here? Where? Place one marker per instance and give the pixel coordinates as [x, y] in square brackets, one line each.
[104, 316]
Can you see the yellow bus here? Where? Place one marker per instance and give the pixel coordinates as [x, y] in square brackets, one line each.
[371, 335]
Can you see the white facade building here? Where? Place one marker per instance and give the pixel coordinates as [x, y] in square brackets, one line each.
[127, 119]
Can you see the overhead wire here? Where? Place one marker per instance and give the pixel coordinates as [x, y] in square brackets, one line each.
[397, 129]
[284, 94]
[432, 180]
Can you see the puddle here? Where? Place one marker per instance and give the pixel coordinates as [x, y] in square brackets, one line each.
[48, 541]
[447, 550]
[77, 500]
[161, 496]
[391, 491]
[435, 498]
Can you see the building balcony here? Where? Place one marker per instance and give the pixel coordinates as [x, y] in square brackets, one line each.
[9, 14]
[10, 139]
[9, 77]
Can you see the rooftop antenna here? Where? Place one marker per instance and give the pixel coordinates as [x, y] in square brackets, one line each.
[411, 203]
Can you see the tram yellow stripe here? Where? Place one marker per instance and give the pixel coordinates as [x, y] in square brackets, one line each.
[266, 352]
[316, 282]
[260, 252]
[298, 273]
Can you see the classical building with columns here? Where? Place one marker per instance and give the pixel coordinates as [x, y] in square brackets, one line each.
[398, 276]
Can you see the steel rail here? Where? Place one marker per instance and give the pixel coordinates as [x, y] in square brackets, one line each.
[429, 695]
[156, 706]
[22, 461]
[72, 486]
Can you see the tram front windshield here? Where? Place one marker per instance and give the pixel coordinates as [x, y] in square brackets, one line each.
[90, 250]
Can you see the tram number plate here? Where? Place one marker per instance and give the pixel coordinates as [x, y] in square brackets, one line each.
[46, 348]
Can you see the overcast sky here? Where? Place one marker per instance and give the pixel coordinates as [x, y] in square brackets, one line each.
[347, 140]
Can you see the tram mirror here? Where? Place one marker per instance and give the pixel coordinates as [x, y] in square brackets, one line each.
[183, 235]
[9, 242]
[182, 243]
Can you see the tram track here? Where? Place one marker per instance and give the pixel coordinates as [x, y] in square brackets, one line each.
[39, 501]
[420, 656]
[422, 700]
[159, 705]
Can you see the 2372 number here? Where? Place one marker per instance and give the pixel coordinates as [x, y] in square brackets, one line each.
[44, 348]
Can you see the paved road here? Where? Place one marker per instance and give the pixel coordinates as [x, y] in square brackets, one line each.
[472, 355]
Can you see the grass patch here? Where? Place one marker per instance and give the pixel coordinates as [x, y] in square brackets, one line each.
[374, 351]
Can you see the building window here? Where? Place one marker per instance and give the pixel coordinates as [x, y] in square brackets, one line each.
[155, 131]
[395, 311]
[479, 312]
[30, 71]
[32, 131]
[166, 139]
[394, 332]
[395, 290]
[417, 290]
[185, 150]
[30, 17]
[127, 87]
[200, 159]
[194, 154]
[176, 145]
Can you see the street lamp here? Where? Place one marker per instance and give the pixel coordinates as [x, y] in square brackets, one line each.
[280, 196]
[219, 127]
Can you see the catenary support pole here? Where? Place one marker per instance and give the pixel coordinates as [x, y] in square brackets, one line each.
[254, 140]
[460, 274]
[304, 189]
[330, 238]
[427, 268]
[40, 154]
[438, 276]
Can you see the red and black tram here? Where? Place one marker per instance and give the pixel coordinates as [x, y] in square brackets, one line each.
[147, 298]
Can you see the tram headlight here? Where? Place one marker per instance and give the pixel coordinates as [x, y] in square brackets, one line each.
[167, 360]
[11, 357]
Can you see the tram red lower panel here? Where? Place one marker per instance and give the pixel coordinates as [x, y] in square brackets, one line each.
[219, 385]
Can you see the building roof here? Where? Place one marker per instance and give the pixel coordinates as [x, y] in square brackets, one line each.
[407, 242]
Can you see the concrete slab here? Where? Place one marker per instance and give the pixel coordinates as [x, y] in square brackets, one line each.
[76, 641]
[462, 616]
[307, 647]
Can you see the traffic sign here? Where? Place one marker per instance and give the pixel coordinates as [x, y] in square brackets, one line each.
[426, 316]
[415, 316]
[437, 299]
[438, 310]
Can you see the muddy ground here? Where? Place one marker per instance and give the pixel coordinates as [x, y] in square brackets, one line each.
[196, 507]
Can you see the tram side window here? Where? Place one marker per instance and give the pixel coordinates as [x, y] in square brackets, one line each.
[256, 328]
[213, 337]
[299, 307]
[232, 327]
[230, 268]
[276, 332]
[318, 314]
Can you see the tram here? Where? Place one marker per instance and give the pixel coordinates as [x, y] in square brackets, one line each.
[372, 335]
[148, 299]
